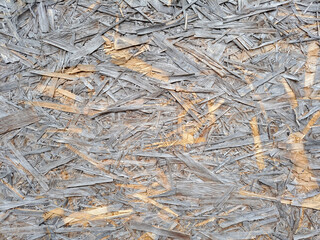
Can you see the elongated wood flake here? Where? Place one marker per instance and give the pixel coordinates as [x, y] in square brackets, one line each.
[18, 120]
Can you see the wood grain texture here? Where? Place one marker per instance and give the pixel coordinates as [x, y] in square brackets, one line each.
[18, 120]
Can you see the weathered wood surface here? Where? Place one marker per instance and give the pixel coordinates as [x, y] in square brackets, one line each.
[159, 119]
[18, 119]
